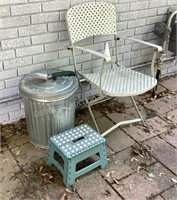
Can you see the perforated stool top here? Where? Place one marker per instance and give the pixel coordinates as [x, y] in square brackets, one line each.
[77, 140]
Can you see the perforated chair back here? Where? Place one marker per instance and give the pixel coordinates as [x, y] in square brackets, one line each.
[91, 19]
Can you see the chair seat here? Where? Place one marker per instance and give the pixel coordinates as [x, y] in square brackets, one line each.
[122, 82]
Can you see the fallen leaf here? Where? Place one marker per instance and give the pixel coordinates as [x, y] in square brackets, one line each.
[151, 175]
[107, 192]
[109, 173]
[135, 159]
[24, 136]
[139, 168]
[77, 180]
[1, 178]
[161, 174]
[116, 181]
[17, 152]
[45, 174]
[40, 169]
[130, 187]
[64, 197]
[25, 174]
[69, 191]
[146, 129]
[5, 160]
[9, 136]
[174, 180]
[149, 179]
[172, 92]
[168, 118]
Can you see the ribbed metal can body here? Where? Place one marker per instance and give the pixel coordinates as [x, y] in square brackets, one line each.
[45, 119]
[49, 107]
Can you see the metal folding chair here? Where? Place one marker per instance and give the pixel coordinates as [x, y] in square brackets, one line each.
[94, 19]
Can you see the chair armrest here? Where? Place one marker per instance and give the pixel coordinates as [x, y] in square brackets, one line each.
[105, 57]
[155, 46]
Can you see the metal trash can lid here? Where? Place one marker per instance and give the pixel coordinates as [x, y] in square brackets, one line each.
[48, 90]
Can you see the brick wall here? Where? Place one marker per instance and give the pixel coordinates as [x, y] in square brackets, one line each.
[33, 36]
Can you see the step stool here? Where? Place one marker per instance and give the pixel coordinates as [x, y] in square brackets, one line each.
[73, 147]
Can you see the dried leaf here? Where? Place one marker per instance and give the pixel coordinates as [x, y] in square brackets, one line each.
[171, 92]
[64, 197]
[149, 179]
[151, 175]
[5, 160]
[8, 136]
[40, 169]
[50, 176]
[69, 191]
[153, 98]
[2, 178]
[161, 174]
[45, 174]
[116, 181]
[23, 136]
[168, 118]
[135, 159]
[109, 173]
[107, 192]
[24, 174]
[174, 180]
[17, 152]
[146, 129]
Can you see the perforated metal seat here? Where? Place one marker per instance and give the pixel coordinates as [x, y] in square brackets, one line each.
[122, 82]
[95, 19]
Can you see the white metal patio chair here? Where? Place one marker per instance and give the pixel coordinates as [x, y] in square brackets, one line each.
[97, 18]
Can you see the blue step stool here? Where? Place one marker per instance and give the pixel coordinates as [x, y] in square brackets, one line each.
[75, 147]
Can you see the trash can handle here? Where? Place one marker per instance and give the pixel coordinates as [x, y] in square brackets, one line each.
[62, 73]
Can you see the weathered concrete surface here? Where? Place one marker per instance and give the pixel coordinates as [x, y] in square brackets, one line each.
[129, 113]
[8, 167]
[171, 137]
[164, 152]
[118, 140]
[26, 154]
[125, 163]
[170, 83]
[155, 126]
[140, 186]
[92, 186]
[171, 193]
[163, 105]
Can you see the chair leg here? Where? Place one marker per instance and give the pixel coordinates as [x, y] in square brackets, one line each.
[137, 109]
[93, 118]
[88, 105]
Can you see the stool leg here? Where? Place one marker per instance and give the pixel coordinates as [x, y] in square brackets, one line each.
[68, 177]
[50, 156]
[103, 157]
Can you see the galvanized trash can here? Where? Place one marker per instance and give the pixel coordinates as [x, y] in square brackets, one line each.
[49, 107]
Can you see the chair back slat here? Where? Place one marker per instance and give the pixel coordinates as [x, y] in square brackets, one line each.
[91, 19]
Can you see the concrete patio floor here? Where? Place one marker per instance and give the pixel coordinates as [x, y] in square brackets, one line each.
[142, 163]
